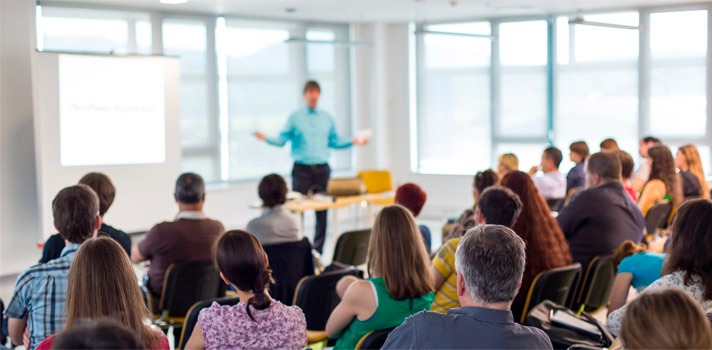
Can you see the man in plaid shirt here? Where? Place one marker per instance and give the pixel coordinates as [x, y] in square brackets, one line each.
[37, 306]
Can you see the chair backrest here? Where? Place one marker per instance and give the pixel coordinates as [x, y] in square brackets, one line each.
[290, 262]
[553, 285]
[374, 339]
[191, 318]
[376, 181]
[352, 247]
[316, 296]
[555, 203]
[597, 283]
[188, 283]
[657, 217]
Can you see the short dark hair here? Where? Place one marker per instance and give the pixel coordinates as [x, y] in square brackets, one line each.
[626, 163]
[412, 197]
[104, 189]
[74, 210]
[609, 145]
[500, 206]
[311, 85]
[190, 188]
[606, 165]
[100, 334]
[272, 190]
[554, 154]
[652, 139]
[580, 148]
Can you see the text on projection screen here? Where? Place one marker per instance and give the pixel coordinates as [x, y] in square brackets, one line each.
[112, 111]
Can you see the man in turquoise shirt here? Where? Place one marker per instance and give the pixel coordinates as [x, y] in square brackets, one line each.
[312, 133]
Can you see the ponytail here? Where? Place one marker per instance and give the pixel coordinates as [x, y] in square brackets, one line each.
[261, 299]
[626, 249]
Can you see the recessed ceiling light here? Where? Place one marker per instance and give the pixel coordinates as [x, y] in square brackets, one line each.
[173, 2]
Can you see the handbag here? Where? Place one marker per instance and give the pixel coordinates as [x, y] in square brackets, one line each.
[568, 328]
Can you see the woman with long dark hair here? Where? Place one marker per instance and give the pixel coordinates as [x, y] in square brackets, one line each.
[663, 184]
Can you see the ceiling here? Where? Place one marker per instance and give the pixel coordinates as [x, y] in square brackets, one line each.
[382, 10]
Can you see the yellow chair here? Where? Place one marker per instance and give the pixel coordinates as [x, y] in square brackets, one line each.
[376, 181]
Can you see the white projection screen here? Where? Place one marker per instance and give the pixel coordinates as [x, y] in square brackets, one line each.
[118, 115]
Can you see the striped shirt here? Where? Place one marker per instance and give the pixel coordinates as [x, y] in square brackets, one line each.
[40, 293]
[444, 261]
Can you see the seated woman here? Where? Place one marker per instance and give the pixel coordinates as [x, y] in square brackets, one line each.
[275, 225]
[546, 244]
[101, 284]
[505, 163]
[689, 263]
[482, 181]
[257, 322]
[105, 190]
[694, 184]
[665, 319]
[636, 267]
[663, 184]
[412, 197]
[399, 287]
[627, 173]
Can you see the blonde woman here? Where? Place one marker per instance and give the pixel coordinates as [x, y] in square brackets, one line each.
[102, 284]
[399, 286]
[694, 184]
[665, 319]
[505, 163]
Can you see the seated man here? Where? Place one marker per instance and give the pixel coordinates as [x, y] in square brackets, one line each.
[105, 190]
[37, 304]
[190, 237]
[413, 198]
[498, 206]
[490, 265]
[553, 183]
[600, 219]
[275, 225]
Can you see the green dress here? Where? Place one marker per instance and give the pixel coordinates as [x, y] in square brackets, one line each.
[389, 313]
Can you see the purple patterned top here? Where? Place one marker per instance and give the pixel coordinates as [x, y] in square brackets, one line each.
[229, 327]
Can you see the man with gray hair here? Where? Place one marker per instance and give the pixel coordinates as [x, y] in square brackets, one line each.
[490, 263]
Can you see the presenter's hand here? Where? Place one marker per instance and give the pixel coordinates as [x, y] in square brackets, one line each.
[260, 135]
[359, 142]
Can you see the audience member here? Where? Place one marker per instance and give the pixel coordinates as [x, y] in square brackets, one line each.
[576, 177]
[663, 184]
[636, 267]
[275, 225]
[37, 305]
[257, 321]
[643, 172]
[105, 190]
[490, 263]
[546, 245]
[497, 205]
[600, 218]
[467, 220]
[190, 237]
[507, 162]
[665, 319]
[413, 197]
[97, 335]
[626, 173]
[694, 184]
[102, 284]
[609, 145]
[399, 285]
[689, 263]
[553, 183]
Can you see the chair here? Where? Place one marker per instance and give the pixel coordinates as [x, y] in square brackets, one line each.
[316, 296]
[376, 181]
[184, 285]
[290, 262]
[553, 285]
[191, 318]
[657, 217]
[555, 203]
[597, 284]
[352, 247]
[570, 195]
[374, 339]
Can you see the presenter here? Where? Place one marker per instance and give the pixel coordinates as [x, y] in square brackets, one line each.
[312, 132]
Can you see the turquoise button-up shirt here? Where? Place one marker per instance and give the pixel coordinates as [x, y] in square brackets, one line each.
[312, 133]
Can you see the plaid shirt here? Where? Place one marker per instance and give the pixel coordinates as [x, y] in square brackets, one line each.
[40, 293]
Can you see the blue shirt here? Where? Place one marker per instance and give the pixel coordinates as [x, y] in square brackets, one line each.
[645, 268]
[576, 177]
[40, 293]
[312, 132]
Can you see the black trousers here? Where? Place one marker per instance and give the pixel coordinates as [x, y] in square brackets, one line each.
[310, 179]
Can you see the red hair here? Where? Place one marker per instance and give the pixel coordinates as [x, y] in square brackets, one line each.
[412, 197]
[546, 244]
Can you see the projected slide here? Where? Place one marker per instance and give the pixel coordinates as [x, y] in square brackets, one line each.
[111, 111]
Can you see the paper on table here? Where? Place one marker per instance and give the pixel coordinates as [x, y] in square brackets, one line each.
[364, 134]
